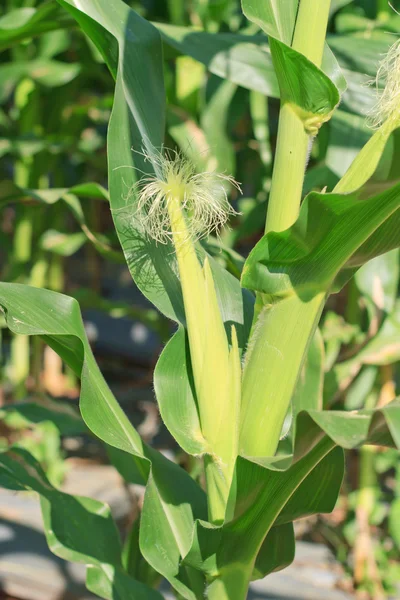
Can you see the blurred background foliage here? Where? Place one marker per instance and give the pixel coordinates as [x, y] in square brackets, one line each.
[56, 232]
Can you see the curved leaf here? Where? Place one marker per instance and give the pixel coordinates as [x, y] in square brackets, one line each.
[276, 17]
[302, 84]
[176, 397]
[307, 257]
[272, 492]
[77, 529]
[172, 497]
[243, 59]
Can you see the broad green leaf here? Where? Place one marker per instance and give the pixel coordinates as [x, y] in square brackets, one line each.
[322, 241]
[325, 482]
[134, 563]
[114, 584]
[77, 529]
[277, 551]
[276, 17]
[243, 59]
[64, 244]
[358, 53]
[359, 392]
[172, 497]
[347, 135]
[302, 84]
[175, 395]
[266, 497]
[377, 161]
[214, 119]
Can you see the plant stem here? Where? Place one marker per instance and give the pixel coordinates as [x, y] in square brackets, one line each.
[293, 141]
[273, 363]
[288, 173]
[310, 32]
[283, 331]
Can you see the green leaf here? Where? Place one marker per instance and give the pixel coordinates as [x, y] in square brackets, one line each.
[243, 59]
[175, 395]
[173, 499]
[277, 551]
[214, 120]
[77, 529]
[277, 490]
[276, 17]
[307, 257]
[347, 135]
[302, 84]
[325, 481]
[49, 73]
[114, 584]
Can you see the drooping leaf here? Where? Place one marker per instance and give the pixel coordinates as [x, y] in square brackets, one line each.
[77, 529]
[172, 497]
[275, 491]
[308, 256]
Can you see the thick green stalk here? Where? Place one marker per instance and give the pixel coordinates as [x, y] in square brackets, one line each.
[288, 173]
[283, 331]
[293, 141]
[273, 363]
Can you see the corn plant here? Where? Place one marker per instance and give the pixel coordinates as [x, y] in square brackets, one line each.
[230, 384]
